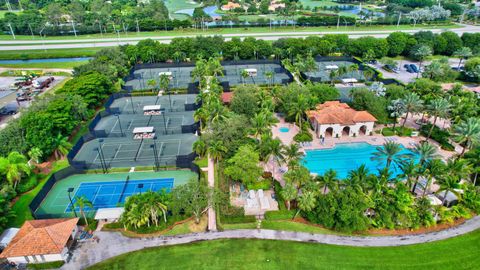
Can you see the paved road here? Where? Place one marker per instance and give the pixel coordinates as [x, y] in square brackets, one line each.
[114, 244]
[108, 42]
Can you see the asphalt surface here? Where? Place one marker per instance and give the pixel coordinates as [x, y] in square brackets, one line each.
[109, 42]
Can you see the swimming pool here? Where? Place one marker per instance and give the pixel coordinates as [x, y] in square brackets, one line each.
[284, 129]
[346, 157]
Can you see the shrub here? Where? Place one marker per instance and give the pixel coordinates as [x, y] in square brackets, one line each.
[263, 184]
[28, 184]
[403, 132]
[47, 265]
[279, 215]
[439, 135]
[303, 136]
[113, 226]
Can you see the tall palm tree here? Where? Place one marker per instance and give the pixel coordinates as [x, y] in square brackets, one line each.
[412, 103]
[463, 53]
[217, 150]
[424, 152]
[409, 171]
[200, 147]
[368, 74]
[81, 202]
[292, 153]
[244, 74]
[332, 76]
[389, 152]
[273, 150]
[459, 168]
[434, 70]
[448, 183]
[201, 115]
[434, 169]
[357, 178]
[289, 193]
[164, 82]
[396, 108]
[152, 83]
[328, 180]
[467, 133]
[298, 109]
[63, 146]
[306, 202]
[421, 53]
[261, 124]
[438, 108]
[269, 77]
[14, 167]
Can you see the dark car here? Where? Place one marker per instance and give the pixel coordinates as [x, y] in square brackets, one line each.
[9, 109]
[408, 68]
[414, 68]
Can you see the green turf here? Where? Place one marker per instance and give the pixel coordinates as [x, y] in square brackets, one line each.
[456, 253]
[57, 199]
[63, 65]
[51, 53]
[2, 12]
[240, 30]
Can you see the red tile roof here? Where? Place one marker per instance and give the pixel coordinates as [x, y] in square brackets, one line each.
[39, 237]
[334, 112]
[227, 97]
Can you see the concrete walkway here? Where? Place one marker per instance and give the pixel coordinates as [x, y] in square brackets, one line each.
[113, 244]
[212, 219]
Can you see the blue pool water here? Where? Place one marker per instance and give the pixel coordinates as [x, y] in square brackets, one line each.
[109, 194]
[284, 129]
[346, 157]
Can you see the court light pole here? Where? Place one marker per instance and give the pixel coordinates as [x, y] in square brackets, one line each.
[100, 157]
[70, 190]
[100, 141]
[164, 121]
[131, 101]
[155, 154]
[119, 124]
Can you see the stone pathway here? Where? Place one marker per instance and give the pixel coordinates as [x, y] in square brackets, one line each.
[212, 220]
[113, 243]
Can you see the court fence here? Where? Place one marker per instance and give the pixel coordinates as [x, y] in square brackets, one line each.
[55, 177]
[193, 86]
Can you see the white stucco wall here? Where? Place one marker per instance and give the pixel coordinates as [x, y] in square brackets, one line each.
[46, 258]
[320, 130]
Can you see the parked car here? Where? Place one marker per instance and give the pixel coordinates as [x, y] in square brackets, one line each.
[9, 109]
[408, 68]
[414, 68]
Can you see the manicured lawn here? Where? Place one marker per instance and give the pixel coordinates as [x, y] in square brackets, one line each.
[287, 225]
[240, 30]
[52, 53]
[65, 65]
[456, 253]
[20, 208]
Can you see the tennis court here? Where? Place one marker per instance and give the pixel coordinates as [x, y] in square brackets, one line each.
[322, 74]
[233, 74]
[172, 103]
[181, 78]
[107, 190]
[127, 152]
[123, 124]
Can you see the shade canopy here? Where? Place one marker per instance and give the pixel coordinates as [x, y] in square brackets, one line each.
[143, 130]
[152, 108]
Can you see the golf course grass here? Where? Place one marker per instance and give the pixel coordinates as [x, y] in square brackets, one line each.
[455, 253]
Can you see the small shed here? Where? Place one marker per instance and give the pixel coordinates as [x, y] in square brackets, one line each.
[109, 214]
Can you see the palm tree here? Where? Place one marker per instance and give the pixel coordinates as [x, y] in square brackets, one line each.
[201, 115]
[328, 180]
[389, 152]
[152, 83]
[153, 206]
[269, 77]
[298, 109]
[63, 146]
[81, 202]
[424, 152]
[244, 74]
[164, 82]
[273, 149]
[306, 202]
[459, 168]
[200, 147]
[467, 133]
[14, 167]
[412, 103]
[289, 193]
[332, 76]
[292, 153]
[463, 53]
[216, 150]
[434, 70]
[396, 108]
[433, 169]
[35, 154]
[357, 178]
[421, 53]
[409, 171]
[368, 74]
[353, 68]
[438, 108]
[448, 183]
[260, 125]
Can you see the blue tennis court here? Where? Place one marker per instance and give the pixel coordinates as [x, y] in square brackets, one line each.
[114, 193]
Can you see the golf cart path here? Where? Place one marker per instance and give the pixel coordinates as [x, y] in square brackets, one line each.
[112, 244]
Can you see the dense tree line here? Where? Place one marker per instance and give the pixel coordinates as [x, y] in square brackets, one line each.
[398, 43]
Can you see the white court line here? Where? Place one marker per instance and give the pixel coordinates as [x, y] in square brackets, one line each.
[114, 125]
[179, 143]
[116, 152]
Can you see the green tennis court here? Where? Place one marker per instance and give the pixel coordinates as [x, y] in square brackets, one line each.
[56, 203]
[324, 68]
[172, 103]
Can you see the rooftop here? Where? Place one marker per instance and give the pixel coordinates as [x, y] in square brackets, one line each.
[334, 112]
[39, 237]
